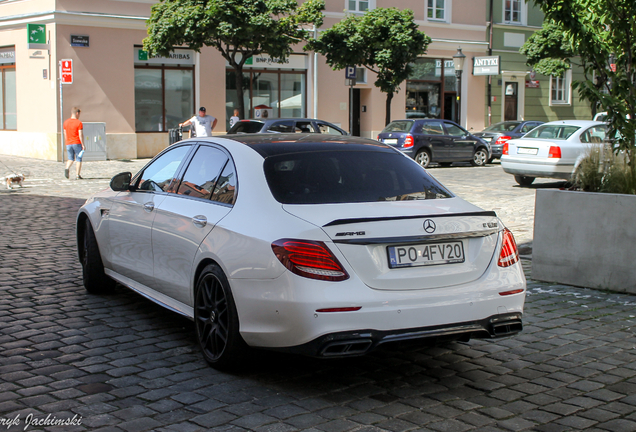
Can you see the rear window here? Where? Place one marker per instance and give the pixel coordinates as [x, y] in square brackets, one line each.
[244, 126]
[554, 132]
[502, 127]
[399, 126]
[329, 177]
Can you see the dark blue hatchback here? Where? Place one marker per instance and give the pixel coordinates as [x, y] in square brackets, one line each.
[433, 140]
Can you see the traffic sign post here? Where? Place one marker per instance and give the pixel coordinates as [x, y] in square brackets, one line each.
[65, 68]
[350, 79]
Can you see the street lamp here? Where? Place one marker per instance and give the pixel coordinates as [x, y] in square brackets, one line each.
[458, 62]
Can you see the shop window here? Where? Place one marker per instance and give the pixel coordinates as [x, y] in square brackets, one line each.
[560, 89]
[436, 10]
[282, 92]
[358, 5]
[8, 99]
[164, 97]
[513, 11]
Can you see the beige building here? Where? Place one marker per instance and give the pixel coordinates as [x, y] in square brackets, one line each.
[138, 98]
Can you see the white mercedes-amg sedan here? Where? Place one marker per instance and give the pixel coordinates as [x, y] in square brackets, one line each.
[326, 246]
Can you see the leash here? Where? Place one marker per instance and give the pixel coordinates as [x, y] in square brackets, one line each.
[5, 165]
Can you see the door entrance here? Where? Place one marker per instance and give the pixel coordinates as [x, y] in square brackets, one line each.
[510, 101]
[450, 106]
[355, 104]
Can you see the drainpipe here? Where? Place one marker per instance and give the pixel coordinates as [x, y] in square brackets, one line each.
[490, 53]
[315, 76]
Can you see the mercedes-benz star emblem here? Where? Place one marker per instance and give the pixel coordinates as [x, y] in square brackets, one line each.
[429, 226]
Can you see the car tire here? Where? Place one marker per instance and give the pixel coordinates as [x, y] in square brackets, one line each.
[480, 157]
[95, 280]
[423, 157]
[216, 320]
[524, 180]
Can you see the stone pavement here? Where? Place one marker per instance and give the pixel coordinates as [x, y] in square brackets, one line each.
[120, 363]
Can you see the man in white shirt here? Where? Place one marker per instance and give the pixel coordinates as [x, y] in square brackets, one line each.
[203, 123]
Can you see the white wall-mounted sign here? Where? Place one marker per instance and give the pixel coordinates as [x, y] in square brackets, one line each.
[486, 65]
[177, 57]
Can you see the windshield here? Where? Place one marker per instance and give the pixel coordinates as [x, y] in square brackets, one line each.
[554, 132]
[329, 177]
[246, 126]
[399, 126]
[502, 127]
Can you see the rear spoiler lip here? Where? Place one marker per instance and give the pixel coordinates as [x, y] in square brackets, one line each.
[419, 239]
[388, 218]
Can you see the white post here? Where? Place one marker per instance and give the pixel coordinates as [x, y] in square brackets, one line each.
[59, 77]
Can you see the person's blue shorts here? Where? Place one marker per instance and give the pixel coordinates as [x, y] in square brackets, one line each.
[73, 151]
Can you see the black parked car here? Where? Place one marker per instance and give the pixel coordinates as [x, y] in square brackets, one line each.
[286, 125]
[433, 140]
[499, 133]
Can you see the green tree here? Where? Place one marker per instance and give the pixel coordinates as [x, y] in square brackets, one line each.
[384, 40]
[239, 29]
[590, 33]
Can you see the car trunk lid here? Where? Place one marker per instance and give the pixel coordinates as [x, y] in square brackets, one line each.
[409, 245]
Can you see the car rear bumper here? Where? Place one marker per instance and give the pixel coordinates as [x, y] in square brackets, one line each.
[540, 167]
[353, 343]
[283, 313]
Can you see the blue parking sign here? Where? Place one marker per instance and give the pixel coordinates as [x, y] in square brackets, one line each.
[350, 72]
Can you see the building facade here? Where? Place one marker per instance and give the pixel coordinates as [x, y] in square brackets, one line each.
[518, 93]
[138, 97]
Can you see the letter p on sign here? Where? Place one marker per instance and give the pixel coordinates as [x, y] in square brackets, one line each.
[66, 71]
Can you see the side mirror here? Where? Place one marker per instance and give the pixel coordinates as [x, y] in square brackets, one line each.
[121, 182]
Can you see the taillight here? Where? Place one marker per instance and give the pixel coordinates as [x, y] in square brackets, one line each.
[502, 140]
[408, 141]
[509, 254]
[310, 259]
[555, 152]
[505, 149]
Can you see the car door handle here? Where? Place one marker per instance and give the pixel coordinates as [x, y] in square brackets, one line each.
[149, 206]
[199, 221]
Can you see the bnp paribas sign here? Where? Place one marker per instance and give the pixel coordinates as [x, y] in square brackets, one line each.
[36, 36]
[486, 65]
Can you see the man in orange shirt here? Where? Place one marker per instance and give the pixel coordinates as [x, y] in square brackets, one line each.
[74, 137]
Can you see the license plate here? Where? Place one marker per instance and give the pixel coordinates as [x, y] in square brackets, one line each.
[525, 150]
[426, 254]
[390, 141]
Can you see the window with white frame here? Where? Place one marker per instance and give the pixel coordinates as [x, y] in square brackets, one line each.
[560, 89]
[361, 75]
[513, 11]
[436, 10]
[358, 5]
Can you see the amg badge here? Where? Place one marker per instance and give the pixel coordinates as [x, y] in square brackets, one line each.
[351, 233]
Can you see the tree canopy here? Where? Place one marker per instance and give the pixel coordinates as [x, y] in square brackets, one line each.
[384, 40]
[592, 33]
[239, 29]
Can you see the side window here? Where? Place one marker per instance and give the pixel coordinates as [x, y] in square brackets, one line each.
[225, 189]
[326, 129]
[432, 128]
[282, 127]
[454, 130]
[304, 127]
[159, 174]
[202, 173]
[596, 134]
[527, 127]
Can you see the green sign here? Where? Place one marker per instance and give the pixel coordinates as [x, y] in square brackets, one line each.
[249, 61]
[143, 55]
[36, 34]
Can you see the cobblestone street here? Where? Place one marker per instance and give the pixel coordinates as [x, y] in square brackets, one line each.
[120, 363]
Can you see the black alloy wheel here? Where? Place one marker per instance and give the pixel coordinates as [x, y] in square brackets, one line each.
[216, 319]
[94, 278]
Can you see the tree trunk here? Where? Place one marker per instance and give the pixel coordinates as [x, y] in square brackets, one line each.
[389, 97]
[238, 70]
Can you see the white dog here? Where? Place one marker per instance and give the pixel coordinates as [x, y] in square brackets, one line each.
[14, 179]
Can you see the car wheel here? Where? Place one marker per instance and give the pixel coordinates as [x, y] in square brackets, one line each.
[480, 157]
[423, 158]
[216, 319]
[524, 180]
[95, 280]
